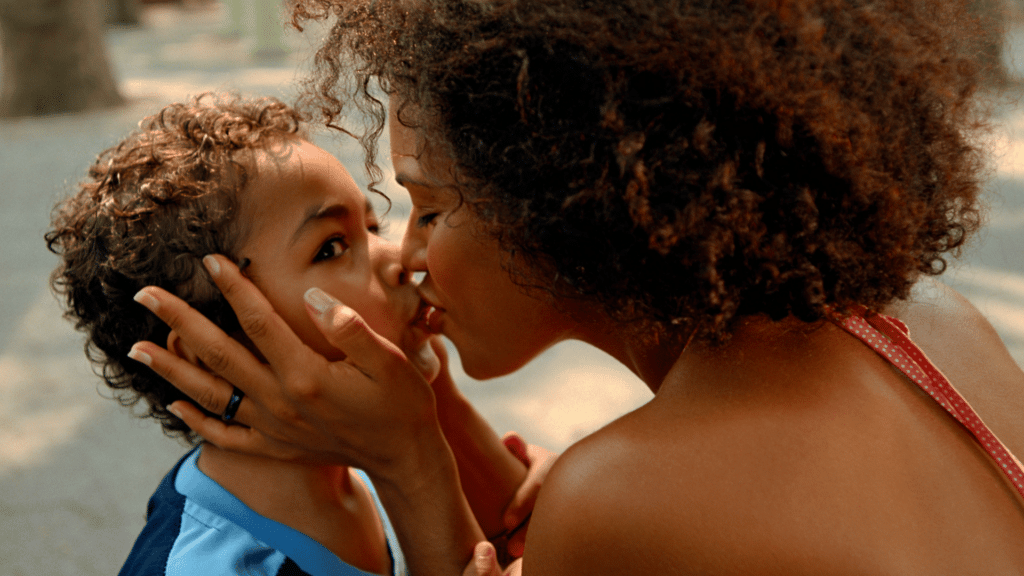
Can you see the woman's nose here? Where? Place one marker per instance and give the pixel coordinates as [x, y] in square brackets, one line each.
[414, 248]
[387, 256]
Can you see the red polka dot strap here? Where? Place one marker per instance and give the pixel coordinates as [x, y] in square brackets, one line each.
[890, 339]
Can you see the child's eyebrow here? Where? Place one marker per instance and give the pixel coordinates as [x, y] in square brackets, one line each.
[317, 213]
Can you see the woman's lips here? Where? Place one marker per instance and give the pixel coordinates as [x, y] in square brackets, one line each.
[429, 318]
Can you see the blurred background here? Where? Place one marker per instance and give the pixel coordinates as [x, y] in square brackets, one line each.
[76, 75]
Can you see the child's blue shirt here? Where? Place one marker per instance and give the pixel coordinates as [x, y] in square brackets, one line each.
[195, 527]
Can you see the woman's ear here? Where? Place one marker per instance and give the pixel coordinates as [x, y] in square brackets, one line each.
[178, 347]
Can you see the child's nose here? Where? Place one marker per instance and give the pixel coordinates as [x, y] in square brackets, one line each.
[388, 262]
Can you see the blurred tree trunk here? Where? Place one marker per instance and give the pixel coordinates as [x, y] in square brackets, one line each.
[125, 12]
[54, 58]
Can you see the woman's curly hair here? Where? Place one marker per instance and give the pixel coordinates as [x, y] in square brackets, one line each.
[684, 163]
[150, 209]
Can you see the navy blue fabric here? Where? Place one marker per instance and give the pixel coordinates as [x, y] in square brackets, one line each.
[196, 527]
[163, 522]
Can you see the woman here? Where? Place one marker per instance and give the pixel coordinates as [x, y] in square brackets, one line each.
[718, 194]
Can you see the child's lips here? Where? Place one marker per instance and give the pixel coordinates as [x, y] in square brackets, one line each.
[434, 317]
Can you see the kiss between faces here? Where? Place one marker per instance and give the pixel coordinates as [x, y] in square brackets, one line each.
[495, 325]
[308, 225]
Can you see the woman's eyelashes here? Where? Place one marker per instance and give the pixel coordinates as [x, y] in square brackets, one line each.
[425, 219]
[331, 249]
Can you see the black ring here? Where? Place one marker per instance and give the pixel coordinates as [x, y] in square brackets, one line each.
[233, 404]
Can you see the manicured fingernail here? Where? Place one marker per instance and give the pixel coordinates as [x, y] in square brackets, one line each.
[139, 355]
[173, 410]
[211, 265]
[147, 300]
[321, 301]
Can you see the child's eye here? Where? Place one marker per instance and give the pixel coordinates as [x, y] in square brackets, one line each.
[331, 249]
[425, 219]
[373, 228]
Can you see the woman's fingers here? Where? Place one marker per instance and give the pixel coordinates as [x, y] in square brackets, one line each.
[227, 436]
[206, 389]
[231, 437]
[348, 332]
[219, 352]
[272, 336]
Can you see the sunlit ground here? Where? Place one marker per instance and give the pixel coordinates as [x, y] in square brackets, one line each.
[76, 470]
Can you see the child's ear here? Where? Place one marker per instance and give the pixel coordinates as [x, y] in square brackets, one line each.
[178, 347]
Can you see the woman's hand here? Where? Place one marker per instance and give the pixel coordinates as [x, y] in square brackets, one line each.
[366, 411]
[374, 410]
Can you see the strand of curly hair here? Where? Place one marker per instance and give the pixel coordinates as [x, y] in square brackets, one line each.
[151, 207]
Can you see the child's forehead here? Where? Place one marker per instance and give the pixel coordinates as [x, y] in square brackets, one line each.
[296, 170]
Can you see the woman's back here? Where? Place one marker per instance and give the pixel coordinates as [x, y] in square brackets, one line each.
[794, 451]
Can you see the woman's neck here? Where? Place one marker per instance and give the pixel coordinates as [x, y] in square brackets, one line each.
[648, 355]
[327, 503]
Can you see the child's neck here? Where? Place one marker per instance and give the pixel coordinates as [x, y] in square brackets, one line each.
[327, 503]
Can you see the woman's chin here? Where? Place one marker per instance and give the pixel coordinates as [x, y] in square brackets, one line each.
[426, 361]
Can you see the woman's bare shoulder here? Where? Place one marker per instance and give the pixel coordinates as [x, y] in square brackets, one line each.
[586, 518]
[628, 499]
[954, 334]
[965, 346]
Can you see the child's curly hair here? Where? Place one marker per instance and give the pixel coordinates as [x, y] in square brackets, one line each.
[151, 208]
[685, 162]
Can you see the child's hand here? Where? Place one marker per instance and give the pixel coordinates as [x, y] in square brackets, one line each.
[538, 462]
[485, 563]
[442, 382]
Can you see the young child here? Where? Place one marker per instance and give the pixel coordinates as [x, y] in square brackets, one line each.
[238, 177]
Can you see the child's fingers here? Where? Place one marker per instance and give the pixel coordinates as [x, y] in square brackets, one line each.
[515, 568]
[206, 389]
[539, 462]
[521, 506]
[516, 543]
[517, 446]
[484, 561]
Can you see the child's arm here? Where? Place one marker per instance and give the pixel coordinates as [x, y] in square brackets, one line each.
[489, 472]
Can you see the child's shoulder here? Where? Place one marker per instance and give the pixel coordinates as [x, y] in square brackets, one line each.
[184, 536]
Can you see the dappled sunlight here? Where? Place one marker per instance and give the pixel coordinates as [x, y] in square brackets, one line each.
[179, 86]
[47, 390]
